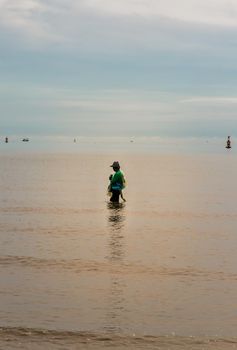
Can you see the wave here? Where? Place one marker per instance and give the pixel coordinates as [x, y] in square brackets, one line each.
[147, 213]
[58, 339]
[80, 265]
[48, 210]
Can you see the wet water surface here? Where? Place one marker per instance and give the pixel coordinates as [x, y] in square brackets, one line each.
[157, 271]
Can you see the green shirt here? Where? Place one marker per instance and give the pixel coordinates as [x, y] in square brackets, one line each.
[117, 182]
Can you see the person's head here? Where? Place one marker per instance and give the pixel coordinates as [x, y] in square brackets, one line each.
[115, 166]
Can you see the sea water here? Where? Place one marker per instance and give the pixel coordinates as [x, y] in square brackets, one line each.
[158, 271]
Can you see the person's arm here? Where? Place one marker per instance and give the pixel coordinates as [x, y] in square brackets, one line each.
[123, 181]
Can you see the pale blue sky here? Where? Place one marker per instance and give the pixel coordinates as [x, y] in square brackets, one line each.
[133, 67]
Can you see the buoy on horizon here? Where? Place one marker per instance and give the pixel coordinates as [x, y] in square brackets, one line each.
[228, 143]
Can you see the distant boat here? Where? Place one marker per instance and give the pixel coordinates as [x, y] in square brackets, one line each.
[6, 139]
[25, 139]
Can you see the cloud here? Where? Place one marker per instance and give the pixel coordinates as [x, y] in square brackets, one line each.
[109, 60]
[31, 18]
[218, 12]
[46, 109]
[104, 25]
[115, 105]
[210, 100]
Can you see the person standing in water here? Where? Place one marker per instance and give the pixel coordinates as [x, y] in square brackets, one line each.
[117, 183]
[228, 143]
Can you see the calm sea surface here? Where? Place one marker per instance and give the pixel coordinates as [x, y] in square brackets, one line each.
[156, 272]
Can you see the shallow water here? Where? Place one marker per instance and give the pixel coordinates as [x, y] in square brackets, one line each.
[158, 271]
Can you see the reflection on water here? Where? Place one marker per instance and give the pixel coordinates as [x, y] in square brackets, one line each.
[115, 311]
[116, 216]
[116, 222]
[116, 247]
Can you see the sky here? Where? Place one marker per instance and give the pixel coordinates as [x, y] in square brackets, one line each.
[118, 68]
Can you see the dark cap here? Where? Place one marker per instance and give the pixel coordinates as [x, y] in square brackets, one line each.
[115, 165]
